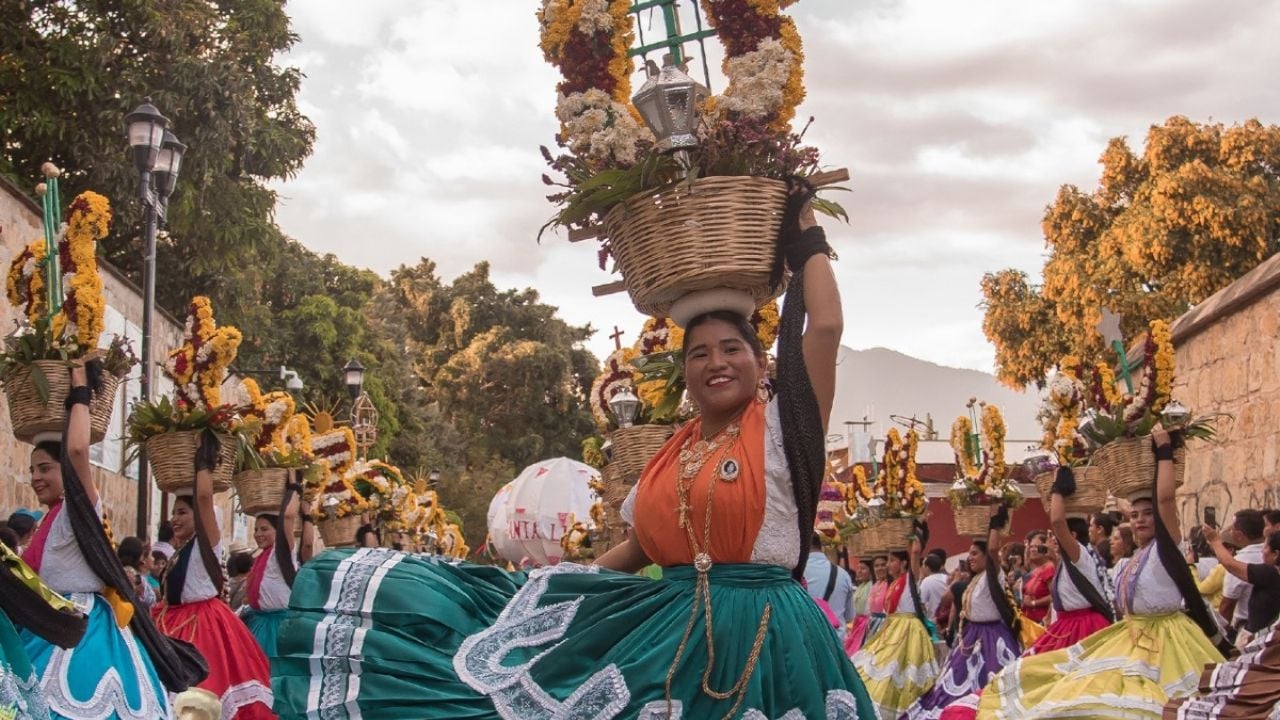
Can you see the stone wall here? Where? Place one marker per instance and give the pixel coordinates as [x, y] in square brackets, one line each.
[20, 223]
[1228, 361]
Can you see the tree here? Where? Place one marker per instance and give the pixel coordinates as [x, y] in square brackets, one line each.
[498, 381]
[69, 72]
[1162, 232]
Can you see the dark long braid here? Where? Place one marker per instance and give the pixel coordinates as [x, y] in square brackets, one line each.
[1175, 564]
[803, 437]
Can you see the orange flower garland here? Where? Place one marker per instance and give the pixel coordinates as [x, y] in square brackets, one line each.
[588, 41]
[24, 285]
[764, 60]
[84, 307]
[198, 367]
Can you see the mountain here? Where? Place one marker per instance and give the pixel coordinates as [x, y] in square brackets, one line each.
[879, 382]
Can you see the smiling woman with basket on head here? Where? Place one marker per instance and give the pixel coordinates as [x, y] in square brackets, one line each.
[191, 444]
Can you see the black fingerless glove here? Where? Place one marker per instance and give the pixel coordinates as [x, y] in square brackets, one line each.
[207, 453]
[1164, 452]
[80, 395]
[1064, 482]
[809, 243]
[1000, 520]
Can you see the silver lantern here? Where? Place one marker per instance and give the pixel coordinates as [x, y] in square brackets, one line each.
[670, 101]
[1175, 415]
[625, 407]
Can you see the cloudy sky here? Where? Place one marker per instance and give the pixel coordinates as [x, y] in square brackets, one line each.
[958, 122]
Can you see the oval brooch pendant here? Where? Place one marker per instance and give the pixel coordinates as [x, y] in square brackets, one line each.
[729, 469]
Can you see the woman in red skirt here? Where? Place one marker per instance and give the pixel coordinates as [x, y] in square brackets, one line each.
[192, 609]
[1081, 589]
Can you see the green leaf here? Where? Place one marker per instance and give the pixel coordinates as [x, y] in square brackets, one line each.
[41, 381]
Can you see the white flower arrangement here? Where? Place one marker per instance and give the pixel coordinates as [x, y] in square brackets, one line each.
[757, 80]
[599, 128]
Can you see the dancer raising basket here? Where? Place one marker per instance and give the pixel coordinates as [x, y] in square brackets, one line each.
[899, 664]
[1152, 656]
[989, 630]
[727, 631]
[112, 671]
[1081, 589]
[191, 606]
[271, 579]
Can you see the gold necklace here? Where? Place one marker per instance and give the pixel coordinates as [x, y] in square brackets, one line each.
[693, 456]
[691, 462]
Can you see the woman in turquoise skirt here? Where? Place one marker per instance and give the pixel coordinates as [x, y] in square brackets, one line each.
[121, 667]
[271, 578]
[728, 632]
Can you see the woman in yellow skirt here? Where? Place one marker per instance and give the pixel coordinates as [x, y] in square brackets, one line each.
[898, 665]
[1131, 669]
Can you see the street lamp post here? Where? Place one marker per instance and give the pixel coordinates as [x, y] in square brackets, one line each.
[157, 156]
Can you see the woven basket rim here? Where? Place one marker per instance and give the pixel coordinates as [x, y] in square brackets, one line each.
[715, 232]
[29, 417]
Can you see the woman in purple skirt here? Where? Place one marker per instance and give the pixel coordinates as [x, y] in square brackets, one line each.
[988, 631]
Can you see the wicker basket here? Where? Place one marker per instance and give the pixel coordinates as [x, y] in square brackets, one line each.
[260, 491]
[339, 532]
[173, 456]
[856, 545]
[719, 232]
[973, 521]
[635, 446]
[32, 417]
[893, 534]
[616, 487]
[1090, 495]
[1128, 467]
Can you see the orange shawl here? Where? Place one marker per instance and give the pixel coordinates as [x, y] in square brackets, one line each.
[738, 511]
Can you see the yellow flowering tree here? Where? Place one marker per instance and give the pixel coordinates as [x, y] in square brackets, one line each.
[1164, 230]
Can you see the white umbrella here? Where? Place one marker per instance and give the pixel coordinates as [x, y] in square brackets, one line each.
[539, 507]
[504, 545]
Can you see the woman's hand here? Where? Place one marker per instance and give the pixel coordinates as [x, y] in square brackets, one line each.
[1160, 436]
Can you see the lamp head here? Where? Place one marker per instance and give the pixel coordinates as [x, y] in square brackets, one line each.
[354, 375]
[144, 128]
[1175, 415]
[168, 163]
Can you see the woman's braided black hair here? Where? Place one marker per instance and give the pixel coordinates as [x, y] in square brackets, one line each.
[803, 437]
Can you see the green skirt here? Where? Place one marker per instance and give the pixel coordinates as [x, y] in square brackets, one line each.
[20, 695]
[378, 634]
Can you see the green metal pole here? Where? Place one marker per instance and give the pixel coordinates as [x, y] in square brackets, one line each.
[51, 274]
[1124, 364]
[55, 212]
[672, 22]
